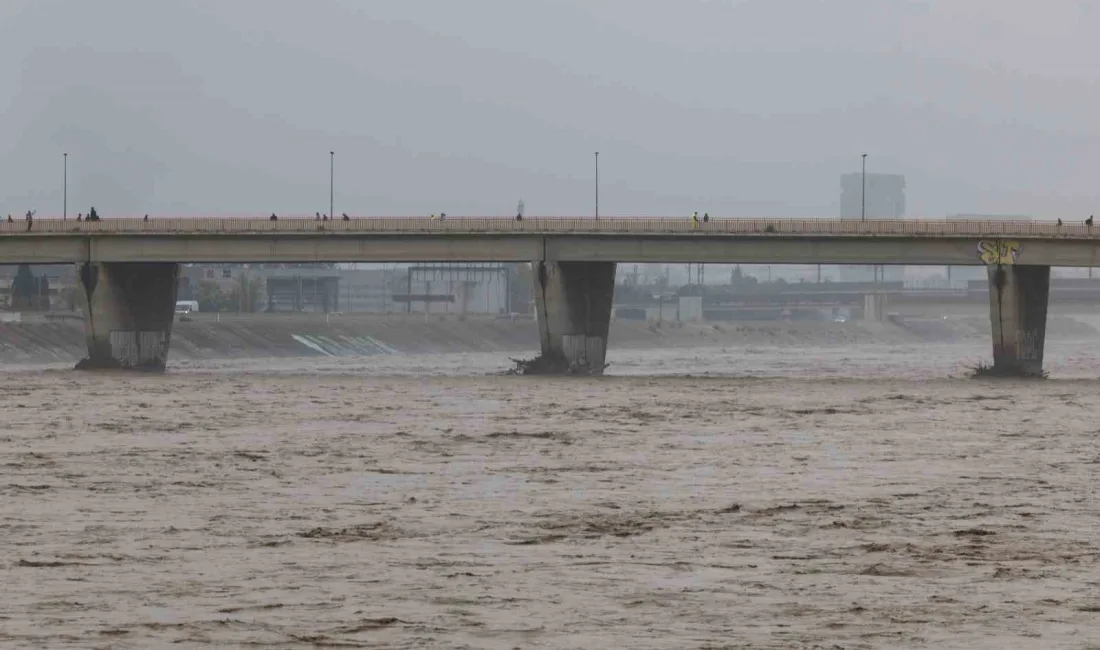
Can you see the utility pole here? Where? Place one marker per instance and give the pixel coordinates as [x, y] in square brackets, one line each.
[65, 189]
[331, 183]
[863, 192]
[597, 185]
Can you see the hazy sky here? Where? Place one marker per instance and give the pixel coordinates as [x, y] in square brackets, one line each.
[736, 107]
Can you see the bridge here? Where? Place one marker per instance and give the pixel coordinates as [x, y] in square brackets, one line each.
[615, 239]
[129, 268]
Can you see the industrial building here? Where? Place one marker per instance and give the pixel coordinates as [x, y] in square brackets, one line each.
[434, 288]
[458, 289]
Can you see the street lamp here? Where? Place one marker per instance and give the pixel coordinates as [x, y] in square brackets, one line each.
[65, 189]
[331, 183]
[863, 196]
[597, 185]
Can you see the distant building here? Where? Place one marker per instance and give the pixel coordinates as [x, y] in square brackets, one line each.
[436, 288]
[292, 288]
[885, 199]
[458, 289]
[885, 196]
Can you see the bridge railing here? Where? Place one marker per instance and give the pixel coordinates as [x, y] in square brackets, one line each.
[183, 226]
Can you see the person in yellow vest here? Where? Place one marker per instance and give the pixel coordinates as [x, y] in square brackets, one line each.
[694, 220]
[432, 218]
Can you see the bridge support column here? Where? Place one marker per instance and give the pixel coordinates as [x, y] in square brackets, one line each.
[1018, 312]
[128, 313]
[573, 305]
[874, 307]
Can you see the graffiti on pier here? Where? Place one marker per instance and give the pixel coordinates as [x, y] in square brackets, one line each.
[1029, 345]
[995, 252]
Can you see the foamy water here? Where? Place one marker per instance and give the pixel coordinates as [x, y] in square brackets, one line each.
[848, 497]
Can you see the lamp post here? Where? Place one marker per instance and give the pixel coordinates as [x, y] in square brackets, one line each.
[597, 185]
[863, 191]
[331, 183]
[65, 188]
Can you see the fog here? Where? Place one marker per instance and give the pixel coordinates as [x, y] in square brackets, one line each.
[738, 108]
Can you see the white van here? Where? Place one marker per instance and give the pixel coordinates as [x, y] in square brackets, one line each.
[186, 306]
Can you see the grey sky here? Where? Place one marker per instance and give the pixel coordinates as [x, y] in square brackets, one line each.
[739, 108]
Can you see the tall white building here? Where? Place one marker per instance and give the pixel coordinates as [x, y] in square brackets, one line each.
[882, 198]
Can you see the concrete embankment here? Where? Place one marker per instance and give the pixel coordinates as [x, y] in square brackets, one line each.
[40, 340]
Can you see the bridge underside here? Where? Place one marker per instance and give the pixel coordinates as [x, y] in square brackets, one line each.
[708, 248]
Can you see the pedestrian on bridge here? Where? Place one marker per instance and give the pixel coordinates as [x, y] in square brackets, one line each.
[273, 217]
[694, 220]
[706, 217]
[344, 216]
[1088, 222]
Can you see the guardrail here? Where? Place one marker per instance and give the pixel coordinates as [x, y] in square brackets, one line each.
[553, 225]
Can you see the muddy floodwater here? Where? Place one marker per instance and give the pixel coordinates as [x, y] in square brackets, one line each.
[845, 497]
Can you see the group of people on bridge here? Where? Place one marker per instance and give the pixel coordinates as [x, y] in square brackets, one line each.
[29, 217]
[695, 219]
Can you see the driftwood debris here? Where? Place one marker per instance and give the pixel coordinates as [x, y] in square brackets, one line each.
[543, 364]
[989, 371]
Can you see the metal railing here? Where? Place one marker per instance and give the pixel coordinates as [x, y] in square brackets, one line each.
[921, 228]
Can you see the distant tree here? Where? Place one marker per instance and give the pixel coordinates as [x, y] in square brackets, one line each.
[211, 297]
[185, 291]
[252, 291]
[24, 289]
[44, 293]
[739, 280]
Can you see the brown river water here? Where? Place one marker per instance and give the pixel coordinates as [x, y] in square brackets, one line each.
[845, 497]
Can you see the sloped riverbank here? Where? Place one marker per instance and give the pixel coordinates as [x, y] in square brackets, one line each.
[37, 339]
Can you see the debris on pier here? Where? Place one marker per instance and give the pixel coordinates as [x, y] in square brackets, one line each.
[543, 364]
[993, 371]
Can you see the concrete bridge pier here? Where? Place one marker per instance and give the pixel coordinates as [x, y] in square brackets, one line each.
[1018, 312]
[874, 307]
[128, 313]
[573, 303]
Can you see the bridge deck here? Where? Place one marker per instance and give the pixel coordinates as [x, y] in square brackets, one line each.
[616, 239]
[482, 226]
